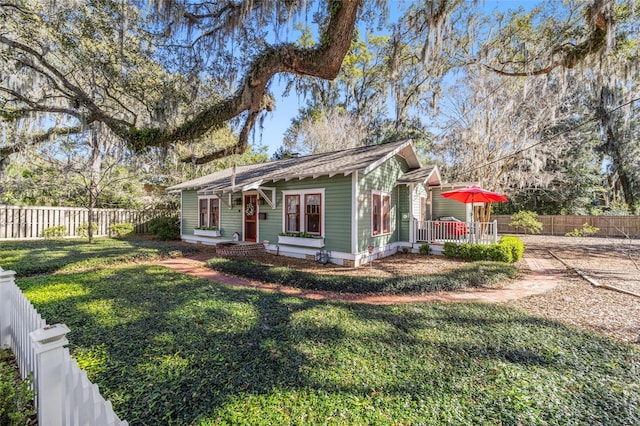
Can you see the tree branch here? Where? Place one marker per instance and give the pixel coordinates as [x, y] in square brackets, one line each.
[573, 55]
[250, 99]
[39, 138]
[323, 61]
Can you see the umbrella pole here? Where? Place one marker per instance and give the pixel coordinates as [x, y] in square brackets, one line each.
[473, 221]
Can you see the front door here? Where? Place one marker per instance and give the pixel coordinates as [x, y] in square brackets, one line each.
[250, 218]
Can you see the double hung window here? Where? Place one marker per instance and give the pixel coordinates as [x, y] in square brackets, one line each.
[304, 212]
[380, 213]
[292, 213]
[209, 213]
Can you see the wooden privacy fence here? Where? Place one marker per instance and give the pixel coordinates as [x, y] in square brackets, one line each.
[64, 394]
[609, 226]
[29, 222]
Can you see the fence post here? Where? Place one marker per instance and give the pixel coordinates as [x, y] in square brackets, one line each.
[48, 343]
[495, 231]
[6, 279]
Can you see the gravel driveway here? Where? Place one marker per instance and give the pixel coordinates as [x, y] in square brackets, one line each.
[575, 301]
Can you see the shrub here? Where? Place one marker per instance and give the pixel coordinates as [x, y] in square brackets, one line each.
[508, 250]
[586, 231]
[526, 220]
[83, 230]
[165, 227]
[515, 244]
[54, 231]
[478, 251]
[500, 253]
[425, 249]
[15, 396]
[121, 229]
[451, 250]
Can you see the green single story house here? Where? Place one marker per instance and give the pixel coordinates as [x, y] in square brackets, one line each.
[347, 207]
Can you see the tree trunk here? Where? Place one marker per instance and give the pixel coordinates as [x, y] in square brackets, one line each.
[612, 147]
[92, 203]
[95, 165]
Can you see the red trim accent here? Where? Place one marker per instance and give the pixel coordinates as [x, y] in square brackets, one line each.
[286, 206]
[319, 214]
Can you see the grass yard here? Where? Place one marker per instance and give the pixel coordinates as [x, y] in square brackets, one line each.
[167, 348]
[47, 256]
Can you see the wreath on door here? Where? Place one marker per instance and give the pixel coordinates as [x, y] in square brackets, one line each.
[250, 209]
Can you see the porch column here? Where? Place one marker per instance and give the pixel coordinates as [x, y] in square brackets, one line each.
[412, 221]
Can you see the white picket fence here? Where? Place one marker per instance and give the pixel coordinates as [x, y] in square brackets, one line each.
[64, 394]
[440, 231]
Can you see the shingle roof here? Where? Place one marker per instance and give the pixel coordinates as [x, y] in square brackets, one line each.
[329, 163]
[423, 175]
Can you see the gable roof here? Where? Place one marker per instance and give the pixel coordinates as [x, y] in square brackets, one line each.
[427, 175]
[325, 164]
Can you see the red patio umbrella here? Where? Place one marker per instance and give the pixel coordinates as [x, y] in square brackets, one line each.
[474, 194]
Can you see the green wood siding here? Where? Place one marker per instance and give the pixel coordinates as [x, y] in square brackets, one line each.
[337, 215]
[189, 218]
[231, 218]
[446, 207]
[404, 217]
[383, 178]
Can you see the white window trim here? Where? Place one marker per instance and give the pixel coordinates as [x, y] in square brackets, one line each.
[210, 197]
[381, 194]
[303, 210]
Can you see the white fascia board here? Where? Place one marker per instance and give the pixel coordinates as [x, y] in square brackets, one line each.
[437, 175]
[252, 186]
[391, 154]
[206, 189]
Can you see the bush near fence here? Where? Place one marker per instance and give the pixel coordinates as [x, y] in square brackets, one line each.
[609, 226]
[30, 222]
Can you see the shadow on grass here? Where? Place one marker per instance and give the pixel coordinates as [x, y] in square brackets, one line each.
[470, 275]
[167, 348]
[29, 258]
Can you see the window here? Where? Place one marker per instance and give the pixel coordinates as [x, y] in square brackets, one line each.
[380, 213]
[376, 222]
[214, 212]
[203, 212]
[209, 213]
[303, 211]
[312, 216]
[386, 214]
[292, 215]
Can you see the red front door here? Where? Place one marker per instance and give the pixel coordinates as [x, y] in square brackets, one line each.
[250, 218]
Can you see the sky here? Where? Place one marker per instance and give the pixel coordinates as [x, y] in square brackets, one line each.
[277, 122]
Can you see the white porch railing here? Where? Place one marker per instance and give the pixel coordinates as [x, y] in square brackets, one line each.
[64, 395]
[431, 231]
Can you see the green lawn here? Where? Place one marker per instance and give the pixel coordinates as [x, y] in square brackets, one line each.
[167, 348]
[46, 256]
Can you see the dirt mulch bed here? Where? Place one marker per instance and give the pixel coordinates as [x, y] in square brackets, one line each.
[399, 265]
[575, 301]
